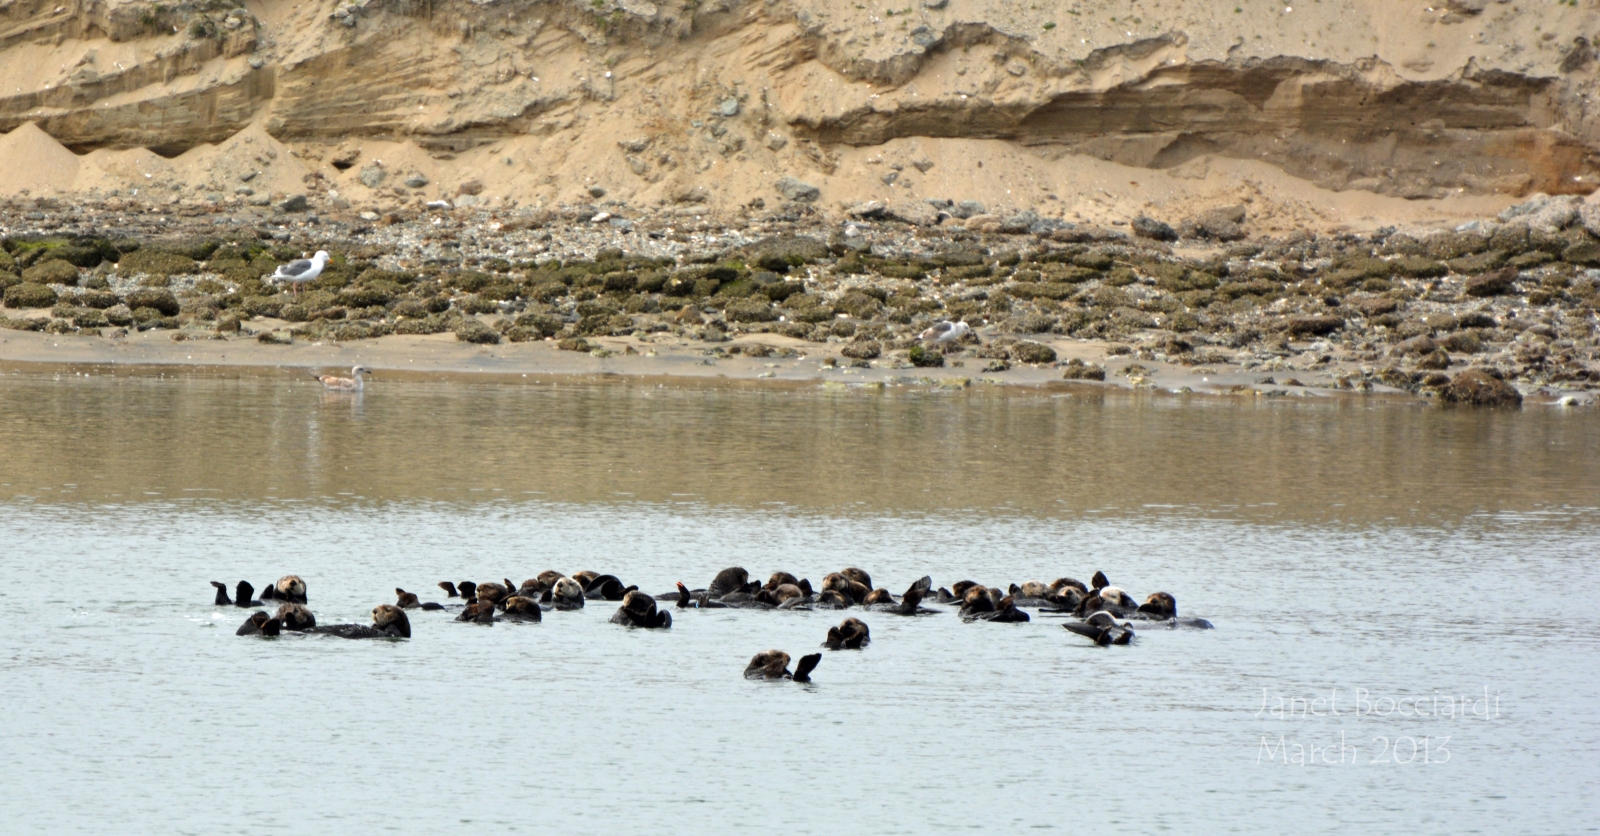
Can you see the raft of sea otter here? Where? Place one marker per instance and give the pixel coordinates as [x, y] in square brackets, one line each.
[1100, 612]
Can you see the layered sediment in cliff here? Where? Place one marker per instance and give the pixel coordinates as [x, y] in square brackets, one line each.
[714, 102]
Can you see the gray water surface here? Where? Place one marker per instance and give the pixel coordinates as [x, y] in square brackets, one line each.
[1405, 552]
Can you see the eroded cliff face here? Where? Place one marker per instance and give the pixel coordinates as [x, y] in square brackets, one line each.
[714, 101]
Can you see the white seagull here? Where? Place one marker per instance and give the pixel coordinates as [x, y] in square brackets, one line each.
[302, 270]
[344, 384]
[946, 331]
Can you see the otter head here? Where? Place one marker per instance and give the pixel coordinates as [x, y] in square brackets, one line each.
[567, 594]
[392, 620]
[959, 588]
[291, 588]
[834, 597]
[858, 576]
[977, 599]
[408, 600]
[469, 590]
[768, 664]
[835, 582]
[879, 596]
[1114, 595]
[547, 579]
[1033, 589]
[780, 578]
[493, 593]
[640, 604]
[585, 578]
[296, 617]
[1060, 583]
[1160, 604]
[525, 607]
[786, 591]
[731, 579]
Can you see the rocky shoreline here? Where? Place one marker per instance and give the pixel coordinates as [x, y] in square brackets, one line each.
[1486, 314]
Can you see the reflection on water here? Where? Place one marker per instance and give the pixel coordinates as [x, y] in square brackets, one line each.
[1397, 551]
[127, 438]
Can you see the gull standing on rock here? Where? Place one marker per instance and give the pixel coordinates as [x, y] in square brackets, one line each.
[946, 331]
[344, 384]
[301, 270]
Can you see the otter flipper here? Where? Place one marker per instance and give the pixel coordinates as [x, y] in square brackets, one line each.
[807, 664]
[1098, 635]
[243, 593]
[222, 599]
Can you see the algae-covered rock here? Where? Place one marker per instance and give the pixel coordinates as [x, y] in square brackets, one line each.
[156, 263]
[1312, 326]
[30, 295]
[8, 263]
[575, 344]
[1475, 387]
[119, 314]
[473, 331]
[858, 304]
[1032, 352]
[1498, 283]
[158, 298]
[51, 272]
[924, 357]
[542, 324]
[750, 310]
[1076, 369]
[862, 350]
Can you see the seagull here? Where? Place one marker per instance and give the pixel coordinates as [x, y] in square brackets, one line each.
[343, 384]
[302, 270]
[946, 331]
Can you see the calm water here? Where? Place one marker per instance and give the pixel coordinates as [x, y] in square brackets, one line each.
[1381, 550]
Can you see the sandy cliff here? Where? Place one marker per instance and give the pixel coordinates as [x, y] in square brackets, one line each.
[1079, 110]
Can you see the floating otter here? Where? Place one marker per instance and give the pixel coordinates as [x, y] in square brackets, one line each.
[296, 617]
[731, 579]
[469, 590]
[242, 599]
[494, 593]
[910, 602]
[701, 599]
[520, 608]
[288, 588]
[1006, 612]
[259, 624]
[1116, 598]
[565, 594]
[408, 601]
[1161, 606]
[878, 596]
[1031, 589]
[478, 612]
[547, 579]
[959, 589]
[388, 622]
[585, 578]
[780, 578]
[975, 600]
[851, 634]
[1102, 629]
[1063, 583]
[639, 610]
[774, 665]
[839, 582]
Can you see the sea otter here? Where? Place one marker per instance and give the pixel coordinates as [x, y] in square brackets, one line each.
[639, 610]
[296, 617]
[774, 665]
[731, 579]
[565, 594]
[289, 588]
[1116, 599]
[388, 622]
[858, 576]
[959, 589]
[910, 602]
[1062, 583]
[975, 600]
[604, 588]
[547, 579]
[851, 634]
[520, 608]
[878, 596]
[494, 593]
[259, 624]
[1161, 606]
[478, 612]
[408, 601]
[585, 577]
[845, 585]
[1102, 629]
[701, 599]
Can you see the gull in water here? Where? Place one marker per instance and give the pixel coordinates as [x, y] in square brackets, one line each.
[302, 270]
[344, 384]
[946, 331]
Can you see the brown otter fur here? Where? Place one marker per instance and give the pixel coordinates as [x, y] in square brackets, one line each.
[774, 665]
[290, 588]
[1057, 584]
[494, 593]
[522, 608]
[1160, 605]
[851, 634]
[780, 578]
[731, 579]
[585, 578]
[784, 592]
[548, 578]
[449, 589]
[407, 600]
[858, 576]
[977, 600]
[1032, 589]
[392, 620]
[879, 596]
[959, 588]
[834, 597]
[639, 610]
[566, 594]
[295, 617]
[1100, 581]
